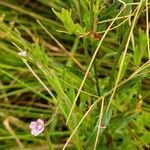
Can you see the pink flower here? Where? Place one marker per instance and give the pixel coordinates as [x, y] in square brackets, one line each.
[37, 127]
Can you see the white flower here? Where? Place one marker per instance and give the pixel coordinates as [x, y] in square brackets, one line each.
[22, 53]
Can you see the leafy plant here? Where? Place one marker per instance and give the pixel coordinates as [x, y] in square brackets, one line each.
[86, 78]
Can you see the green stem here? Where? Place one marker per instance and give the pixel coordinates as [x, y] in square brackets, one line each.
[96, 15]
[81, 22]
[96, 78]
[73, 51]
[95, 72]
[53, 116]
[92, 44]
[85, 48]
[48, 139]
[40, 81]
[79, 11]
[92, 14]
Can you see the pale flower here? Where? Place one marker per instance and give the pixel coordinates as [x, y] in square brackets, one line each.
[22, 53]
[37, 127]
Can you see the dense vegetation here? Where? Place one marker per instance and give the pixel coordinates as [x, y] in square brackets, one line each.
[82, 66]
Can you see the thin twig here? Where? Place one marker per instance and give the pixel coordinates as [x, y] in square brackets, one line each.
[147, 28]
[99, 123]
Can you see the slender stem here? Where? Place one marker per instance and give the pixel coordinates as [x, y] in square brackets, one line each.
[92, 44]
[53, 116]
[37, 77]
[73, 51]
[96, 78]
[95, 73]
[85, 47]
[147, 28]
[79, 11]
[92, 14]
[81, 22]
[48, 139]
[99, 123]
[96, 16]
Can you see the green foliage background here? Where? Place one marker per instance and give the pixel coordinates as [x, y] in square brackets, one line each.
[89, 58]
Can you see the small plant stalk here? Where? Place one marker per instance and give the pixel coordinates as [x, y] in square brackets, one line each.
[78, 3]
[93, 29]
[95, 74]
[48, 139]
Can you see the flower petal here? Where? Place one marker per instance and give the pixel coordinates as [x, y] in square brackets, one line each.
[40, 121]
[35, 133]
[41, 130]
[32, 126]
[39, 127]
